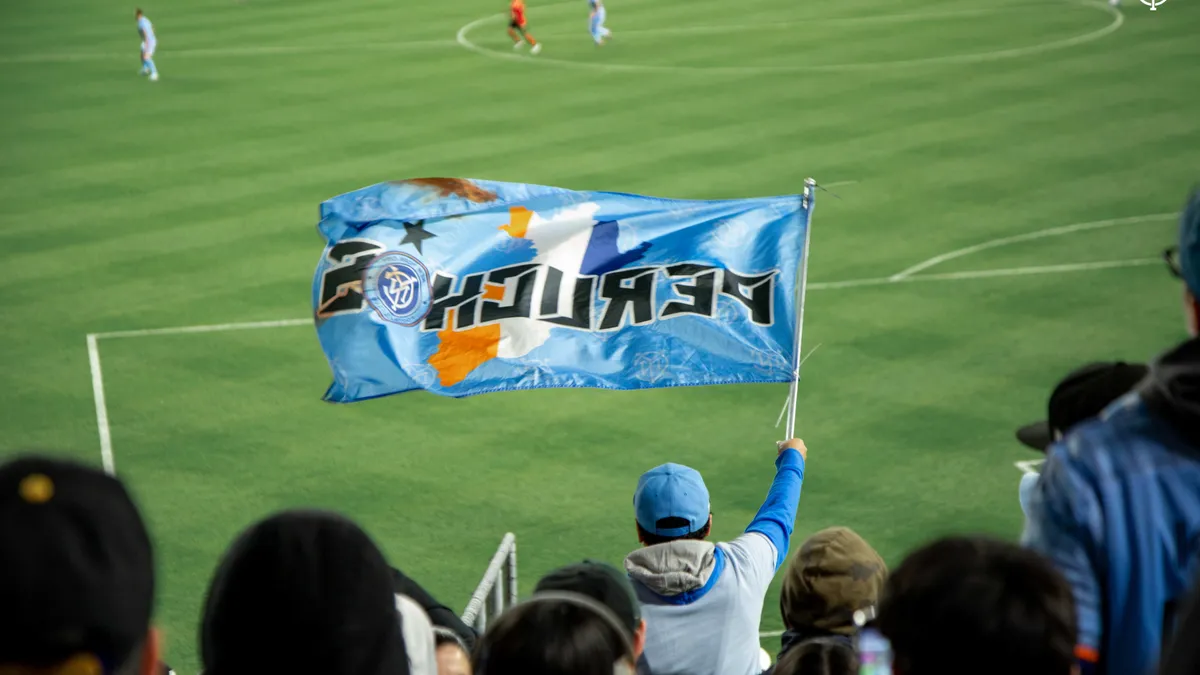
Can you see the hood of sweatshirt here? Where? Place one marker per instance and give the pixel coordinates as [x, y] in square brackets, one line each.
[1172, 390]
[673, 568]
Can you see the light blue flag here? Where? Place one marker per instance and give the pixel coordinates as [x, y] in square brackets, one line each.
[464, 287]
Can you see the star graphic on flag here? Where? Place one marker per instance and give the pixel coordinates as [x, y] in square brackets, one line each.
[415, 233]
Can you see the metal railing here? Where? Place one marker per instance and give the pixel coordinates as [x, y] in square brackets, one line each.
[497, 591]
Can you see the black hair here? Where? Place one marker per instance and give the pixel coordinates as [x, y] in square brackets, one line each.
[550, 638]
[651, 539]
[972, 604]
[819, 656]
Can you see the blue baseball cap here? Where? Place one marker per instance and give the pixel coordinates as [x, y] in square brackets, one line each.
[671, 491]
[1189, 243]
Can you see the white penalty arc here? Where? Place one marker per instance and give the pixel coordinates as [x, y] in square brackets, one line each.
[1118, 20]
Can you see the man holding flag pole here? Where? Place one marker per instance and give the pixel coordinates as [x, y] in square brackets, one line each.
[463, 287]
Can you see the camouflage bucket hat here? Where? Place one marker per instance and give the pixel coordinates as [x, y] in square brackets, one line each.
[835, 574]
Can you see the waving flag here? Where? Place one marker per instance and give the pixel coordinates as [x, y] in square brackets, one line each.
[464, 287]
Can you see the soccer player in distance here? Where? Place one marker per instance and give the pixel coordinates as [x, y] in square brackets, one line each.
[596, 22]
[516, 28]
[149, 42]
[702, 601]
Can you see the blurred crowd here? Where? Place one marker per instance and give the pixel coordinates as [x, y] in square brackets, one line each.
[1103, 580]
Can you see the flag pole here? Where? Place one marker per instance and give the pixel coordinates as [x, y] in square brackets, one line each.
[807, 203]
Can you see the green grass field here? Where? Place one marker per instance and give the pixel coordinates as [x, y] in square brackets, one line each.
[130, 205]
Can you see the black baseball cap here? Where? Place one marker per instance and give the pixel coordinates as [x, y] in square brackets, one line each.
[302, 592]
[77, 577]
[600, 581]
[1082, 395]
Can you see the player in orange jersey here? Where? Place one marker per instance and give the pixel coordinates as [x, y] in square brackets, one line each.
[516, 28]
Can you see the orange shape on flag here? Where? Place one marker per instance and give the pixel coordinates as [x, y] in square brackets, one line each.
[461, 352]
[518, 222]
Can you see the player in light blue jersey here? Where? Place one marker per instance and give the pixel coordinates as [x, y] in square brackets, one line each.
[596, 21]
[149, 42]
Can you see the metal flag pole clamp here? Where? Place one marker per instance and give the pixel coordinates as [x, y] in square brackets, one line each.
[807, 201]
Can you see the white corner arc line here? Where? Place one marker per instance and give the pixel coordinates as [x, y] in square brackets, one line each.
[211, 328]
[106, 454]
[1029, 236]
[953, 59]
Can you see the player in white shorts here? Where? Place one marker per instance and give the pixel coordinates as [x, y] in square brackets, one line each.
[149, 42]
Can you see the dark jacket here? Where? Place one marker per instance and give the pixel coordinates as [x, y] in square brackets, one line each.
[792, 638]
[439, 614]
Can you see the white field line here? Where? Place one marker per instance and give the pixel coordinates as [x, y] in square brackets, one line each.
[1030, 236]
[106, 453]
[226, 52]
[1028, 465]
[211, 328]
[984, 274]
[819, 286]
[770, 634]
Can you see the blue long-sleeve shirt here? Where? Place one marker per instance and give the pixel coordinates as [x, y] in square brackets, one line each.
[702, 602]
[776, 518]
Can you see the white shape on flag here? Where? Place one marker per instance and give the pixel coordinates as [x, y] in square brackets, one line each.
[560, 240]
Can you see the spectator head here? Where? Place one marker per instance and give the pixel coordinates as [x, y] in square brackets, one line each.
[671, 503]
[556, 633]
[821, 656]
[453, 658]
[77, 583]
[77, 587]
[974, 605]
[608, 586]
[1184, 261]
[835, 574]
[1082, 395]
[302, 591]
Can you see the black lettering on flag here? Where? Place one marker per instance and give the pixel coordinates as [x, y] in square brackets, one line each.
[522, 303]
[341, 284]
[702, 289]
[628, 290]
[581, 301]
[443, 302]
[761, 297]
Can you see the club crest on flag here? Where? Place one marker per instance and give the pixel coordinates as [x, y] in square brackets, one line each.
[465, 287]
[397, 286]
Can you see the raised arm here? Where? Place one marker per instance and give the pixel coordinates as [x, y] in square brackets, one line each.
[777, 516]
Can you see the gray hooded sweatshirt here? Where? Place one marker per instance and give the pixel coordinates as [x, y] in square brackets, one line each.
[702, 602]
